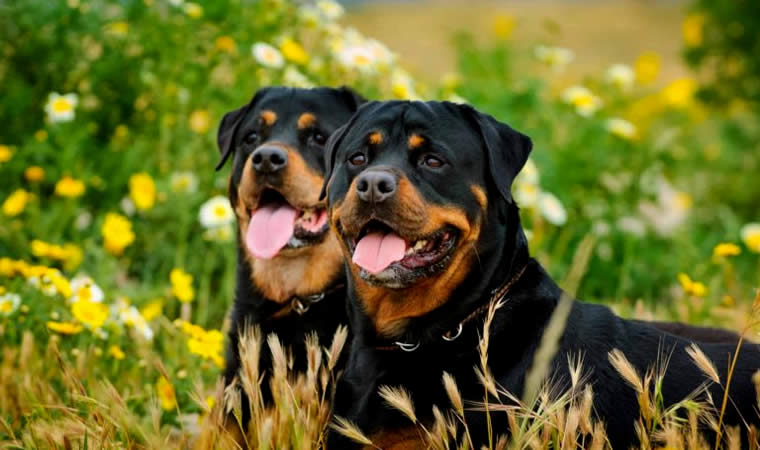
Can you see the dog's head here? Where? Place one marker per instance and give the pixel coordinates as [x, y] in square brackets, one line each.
[277, 142]
[411, 187]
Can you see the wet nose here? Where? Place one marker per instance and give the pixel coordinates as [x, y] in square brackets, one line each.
[376, 186]
[269, 159]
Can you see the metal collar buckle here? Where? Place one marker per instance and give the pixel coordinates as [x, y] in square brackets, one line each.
[407, 347]
[448, 337]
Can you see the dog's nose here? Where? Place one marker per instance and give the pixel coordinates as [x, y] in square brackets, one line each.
[376, 186]
[269, 159]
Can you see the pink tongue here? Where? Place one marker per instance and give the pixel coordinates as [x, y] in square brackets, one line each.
[376, 251]
[270, 229]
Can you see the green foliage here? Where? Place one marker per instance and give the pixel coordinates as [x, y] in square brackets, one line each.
[721, 38]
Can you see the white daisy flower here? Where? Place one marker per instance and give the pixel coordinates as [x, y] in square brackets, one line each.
[621, 128]
[268, 56]
[585, 102]
[222, 233]
[185, 182]
[330, 9]
[293, 77]
[551, 208]
[128, 206]
[9, 303]
[555, 57]
[216, 212]
[632, 225]
[357, 57]
[526, 194]
[529, 173]
[84, 288]
[60, 108]
[750, 234]
[621, 76]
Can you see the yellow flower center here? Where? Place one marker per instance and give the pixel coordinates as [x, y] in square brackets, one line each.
[220, 211]
[61, 106]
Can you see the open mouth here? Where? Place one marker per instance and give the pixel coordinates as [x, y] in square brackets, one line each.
[277, 225]
[385, 256]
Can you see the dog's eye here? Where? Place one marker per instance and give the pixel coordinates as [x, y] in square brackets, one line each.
[358, 159]
[432, 161]
[319, 138]
[251, 137]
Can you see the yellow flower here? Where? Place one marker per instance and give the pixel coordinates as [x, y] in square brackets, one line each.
[166, 394]
[16, 203]
[152, 309]
[119, 28]
[142, 190]
[207, 344]
[5, 153]
[117, 233]
[194, 10]
[41, 135]
[34, 174]
[294, 52]
[693, 29]
[726, 249]
[65, 327]
[200, 121]
[647, 67]
[69, 187]
[503, 26]
[182, 285]
[692, 287]
[750, 234]
[116, 352]
[225, 44]
[679, 93]
[91, 314]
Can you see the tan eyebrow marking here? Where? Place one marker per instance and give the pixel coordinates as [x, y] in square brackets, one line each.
[415, 141]
[306, 120]
[375, 138]
[269, 117]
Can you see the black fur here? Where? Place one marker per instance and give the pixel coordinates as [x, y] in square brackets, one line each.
[480, 150]
[333, 107]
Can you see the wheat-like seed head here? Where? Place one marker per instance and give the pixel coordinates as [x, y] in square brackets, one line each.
[453, 392]
[348, 429]
[703, 362]
[625, 369]
[400, 399]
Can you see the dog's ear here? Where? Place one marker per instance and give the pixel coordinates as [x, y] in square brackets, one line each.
[506, 148]
[225, 136]
[352, 98]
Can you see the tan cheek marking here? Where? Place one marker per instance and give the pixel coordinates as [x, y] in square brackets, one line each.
[306, 120]
[480, 196]
[415, 141]
[269, 117]
[375, 138]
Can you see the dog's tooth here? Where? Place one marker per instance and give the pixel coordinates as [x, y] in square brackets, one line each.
[409, 251]
[419, 245]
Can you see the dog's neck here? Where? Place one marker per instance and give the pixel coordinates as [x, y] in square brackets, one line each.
[268, 286]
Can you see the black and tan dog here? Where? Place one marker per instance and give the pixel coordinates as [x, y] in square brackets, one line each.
[290, 277]
[419, 195]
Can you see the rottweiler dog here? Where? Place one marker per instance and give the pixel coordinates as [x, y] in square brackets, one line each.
[419, 195]
[290, 278]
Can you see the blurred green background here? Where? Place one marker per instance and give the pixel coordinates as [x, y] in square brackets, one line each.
[643, 114]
